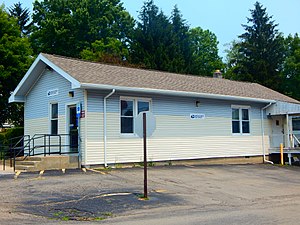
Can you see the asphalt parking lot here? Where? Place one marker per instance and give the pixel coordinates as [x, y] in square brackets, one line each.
[226, 194]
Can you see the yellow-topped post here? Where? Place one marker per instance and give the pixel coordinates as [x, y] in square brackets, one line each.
[281, 154]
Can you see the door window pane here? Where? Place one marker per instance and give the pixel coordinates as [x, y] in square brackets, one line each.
[54, 111]
[54, 126]
[54, 118]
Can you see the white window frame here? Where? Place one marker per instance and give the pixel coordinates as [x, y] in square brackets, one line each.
[50, 117]
[240, 108]
[135, 112]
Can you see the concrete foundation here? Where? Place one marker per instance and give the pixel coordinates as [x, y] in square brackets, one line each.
[210, 161]
[38, 163]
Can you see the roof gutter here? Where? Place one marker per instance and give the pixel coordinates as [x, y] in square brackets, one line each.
[104, 124]
[175, 93]
[263, 132]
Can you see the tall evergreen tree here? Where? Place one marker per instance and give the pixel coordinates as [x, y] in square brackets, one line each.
[152, 39]
[23, 17]
[170, 45]
[15, 58]
[66, 27]
[261, 50]
[180, 51]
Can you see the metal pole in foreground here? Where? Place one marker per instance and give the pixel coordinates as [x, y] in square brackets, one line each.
[145, 155]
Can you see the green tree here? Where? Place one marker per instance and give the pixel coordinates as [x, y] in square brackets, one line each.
[232, 60]
[66, 27]
[152, 39]
[15, 58]
[291, 66]
[261, 50]
[180, 51]
[204, 48]
[109, 50]
[170, 45]
[23, 17]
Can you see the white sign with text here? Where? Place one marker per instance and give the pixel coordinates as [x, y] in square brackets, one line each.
[52, 92]
[197, 116]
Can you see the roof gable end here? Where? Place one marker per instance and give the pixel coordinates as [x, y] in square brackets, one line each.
[32, 75]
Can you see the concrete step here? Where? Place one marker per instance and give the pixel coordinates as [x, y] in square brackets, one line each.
[29, 164]
[26, 162]
[25, 168]
[37, 163]
[29, 158]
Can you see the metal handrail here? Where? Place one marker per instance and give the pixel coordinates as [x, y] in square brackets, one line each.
[47, 144]
[20, 138]
[30, 146]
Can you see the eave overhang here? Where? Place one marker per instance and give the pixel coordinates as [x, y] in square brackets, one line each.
[174, 93]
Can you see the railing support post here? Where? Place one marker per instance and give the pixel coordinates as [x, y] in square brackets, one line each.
[3, 155]
[10, 154]
[49, 150]
[14, 160]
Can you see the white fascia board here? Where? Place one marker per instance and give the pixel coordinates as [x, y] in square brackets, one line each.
[12, 96]
[40, 58]
[75, 83]
[175, 93]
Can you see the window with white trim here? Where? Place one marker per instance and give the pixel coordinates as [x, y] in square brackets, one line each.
[240, 120]
[54, 118]
[130, 108]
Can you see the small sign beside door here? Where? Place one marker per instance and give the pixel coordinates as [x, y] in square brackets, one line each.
[78, 110]
[82, 115]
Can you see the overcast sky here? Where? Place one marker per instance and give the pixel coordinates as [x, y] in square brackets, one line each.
[222, 17]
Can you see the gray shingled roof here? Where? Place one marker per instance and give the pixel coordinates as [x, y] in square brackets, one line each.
[98, 73]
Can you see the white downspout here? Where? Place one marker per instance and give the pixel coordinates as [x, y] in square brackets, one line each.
[104, 124]
[85, 125]
[263, 132]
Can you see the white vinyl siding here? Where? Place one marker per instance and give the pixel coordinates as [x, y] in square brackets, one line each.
[176, 136]
[37, 108]
[173, 139]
